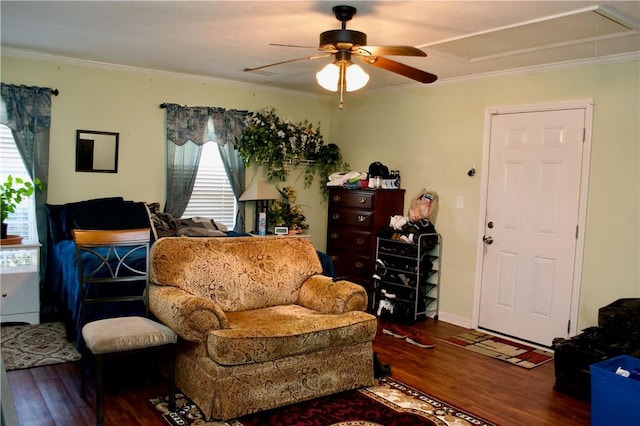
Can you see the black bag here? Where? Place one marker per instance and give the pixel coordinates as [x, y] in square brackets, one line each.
[377, 169]
[621, 318]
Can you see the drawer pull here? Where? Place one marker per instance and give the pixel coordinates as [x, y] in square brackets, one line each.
[336, 216]
[335, 235]
[361, 218]
[359, 265]
[336, 198]
[360, 240]
[362, 199]
[4, 294]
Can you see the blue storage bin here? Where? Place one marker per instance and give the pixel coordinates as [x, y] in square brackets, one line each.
[615, 400]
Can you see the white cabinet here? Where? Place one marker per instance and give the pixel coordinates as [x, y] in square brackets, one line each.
[20, 282]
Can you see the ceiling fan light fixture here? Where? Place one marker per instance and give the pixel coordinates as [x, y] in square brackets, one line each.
[342, 75]
[329, 76]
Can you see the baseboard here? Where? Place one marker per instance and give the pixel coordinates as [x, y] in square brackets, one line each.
[455, 320]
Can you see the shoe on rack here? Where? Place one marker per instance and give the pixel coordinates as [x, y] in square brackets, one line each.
[419, 340]
[387, 295]
[385, 306]
[404, 280]
[395, 331]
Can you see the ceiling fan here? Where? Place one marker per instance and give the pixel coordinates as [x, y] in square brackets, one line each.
[343, 44]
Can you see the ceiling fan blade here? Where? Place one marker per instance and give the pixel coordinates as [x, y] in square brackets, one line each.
[292, 45]
[326, 49]
[398, 68]
[389, 51]
[322, 55]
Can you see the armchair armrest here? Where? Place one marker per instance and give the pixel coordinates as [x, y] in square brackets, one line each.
[322, 294]
[188, 315]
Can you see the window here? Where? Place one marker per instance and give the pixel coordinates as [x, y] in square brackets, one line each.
[212, 195]
[23, 221]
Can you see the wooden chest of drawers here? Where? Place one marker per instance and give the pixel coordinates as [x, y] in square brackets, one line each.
[355, 217]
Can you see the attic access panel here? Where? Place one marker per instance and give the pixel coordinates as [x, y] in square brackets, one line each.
[580, 26]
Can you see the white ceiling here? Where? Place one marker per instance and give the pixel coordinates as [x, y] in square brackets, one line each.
[218, 39]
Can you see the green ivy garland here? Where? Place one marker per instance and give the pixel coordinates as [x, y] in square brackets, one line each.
[276, 143]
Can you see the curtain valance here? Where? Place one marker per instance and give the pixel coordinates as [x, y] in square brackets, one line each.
[186, 123]
[25, 107]
[200, 125]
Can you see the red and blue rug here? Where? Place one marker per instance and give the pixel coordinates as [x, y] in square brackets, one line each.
[390, 403]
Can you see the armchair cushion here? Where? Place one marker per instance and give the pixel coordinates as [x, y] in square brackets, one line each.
[277, 332]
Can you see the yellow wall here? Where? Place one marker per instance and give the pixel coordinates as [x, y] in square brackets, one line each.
[432, 134]
[127, 102]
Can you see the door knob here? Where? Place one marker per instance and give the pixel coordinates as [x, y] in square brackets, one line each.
[487, 240]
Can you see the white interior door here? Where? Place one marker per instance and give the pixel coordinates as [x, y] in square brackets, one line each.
[532, 209]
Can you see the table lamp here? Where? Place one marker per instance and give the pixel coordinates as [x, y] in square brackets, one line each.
[260, 192]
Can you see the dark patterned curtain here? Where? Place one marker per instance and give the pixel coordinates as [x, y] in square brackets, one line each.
[27, 112]
[188, 128]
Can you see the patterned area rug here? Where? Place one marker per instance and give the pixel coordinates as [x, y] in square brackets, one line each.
[390, 403]
[502, 349]
[26, 346]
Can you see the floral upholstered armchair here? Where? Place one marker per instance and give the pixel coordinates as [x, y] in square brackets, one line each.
[258, 326]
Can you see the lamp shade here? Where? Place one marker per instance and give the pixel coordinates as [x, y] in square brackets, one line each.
[329, 76]
[356, 77]
[259, 190]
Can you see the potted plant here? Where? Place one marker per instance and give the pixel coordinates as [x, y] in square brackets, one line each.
[274, 142]
[12, 192]
[286, 212]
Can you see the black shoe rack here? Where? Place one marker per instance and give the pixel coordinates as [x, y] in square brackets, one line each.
[407, 278]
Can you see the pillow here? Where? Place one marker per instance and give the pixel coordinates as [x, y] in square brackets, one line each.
[124, 215]
[162, 224]
[201, 227]
[60, 221]
[154, 233]
[203, 222]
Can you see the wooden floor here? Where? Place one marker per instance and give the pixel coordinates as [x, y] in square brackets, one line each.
[498, 391]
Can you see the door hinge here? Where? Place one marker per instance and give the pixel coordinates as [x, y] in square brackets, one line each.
[584, 134]
[568, 326]
[577, 230]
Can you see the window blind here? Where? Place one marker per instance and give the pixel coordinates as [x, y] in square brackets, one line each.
[212, 195]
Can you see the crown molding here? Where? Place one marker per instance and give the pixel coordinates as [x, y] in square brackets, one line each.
[611, 59]
[580, 63]
[45, 57]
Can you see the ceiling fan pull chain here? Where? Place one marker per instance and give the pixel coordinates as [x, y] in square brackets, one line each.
[342, 81]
